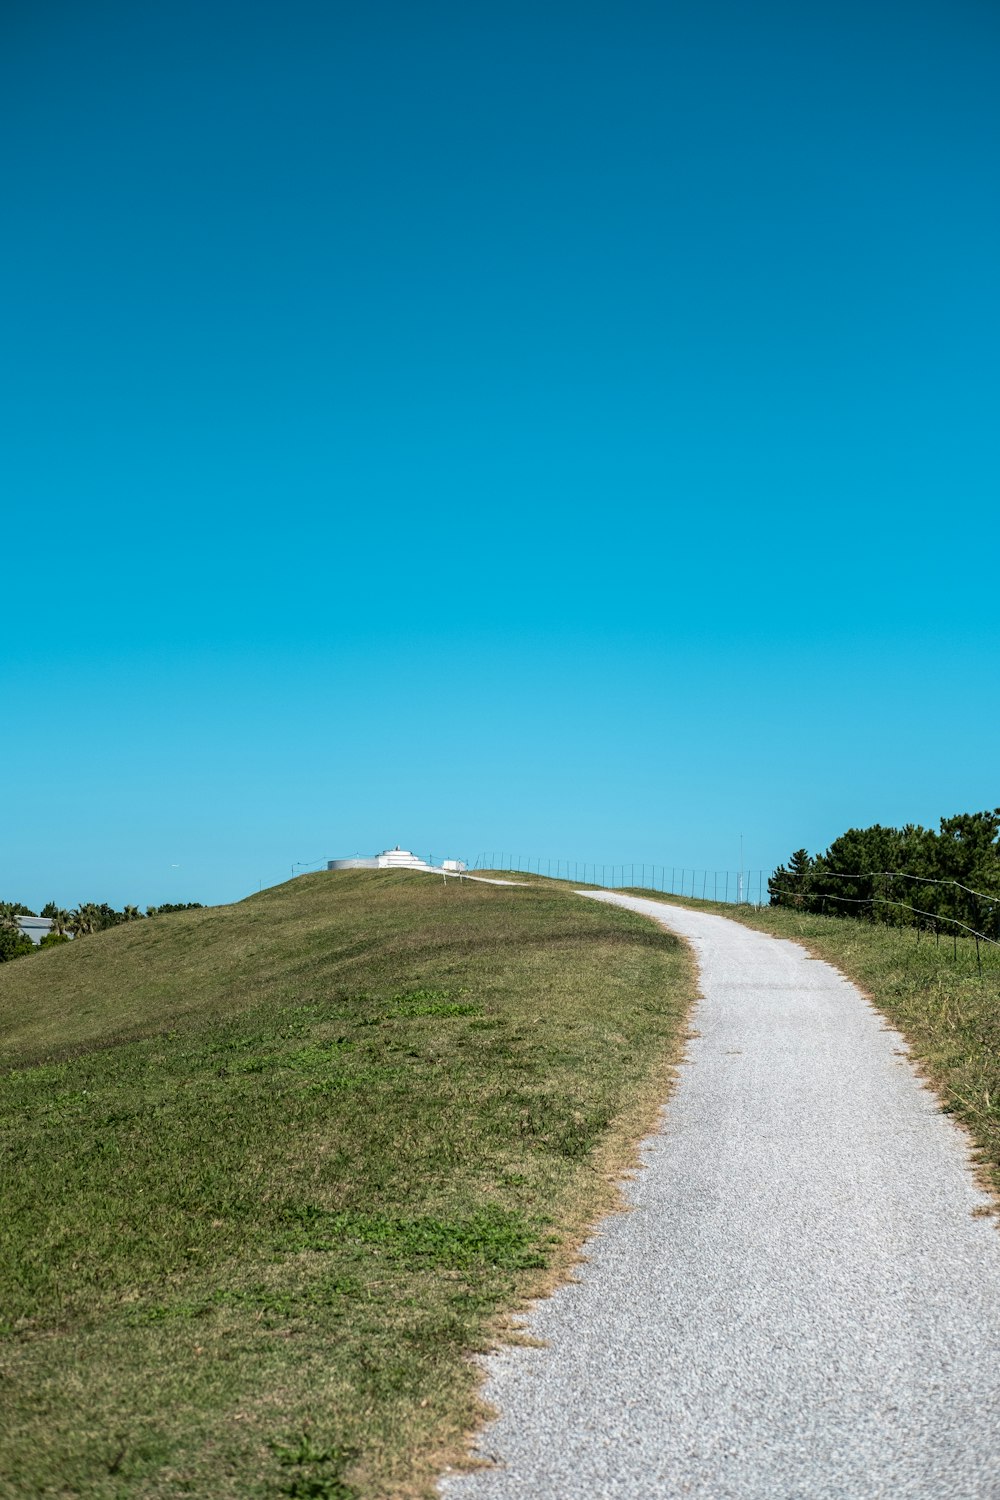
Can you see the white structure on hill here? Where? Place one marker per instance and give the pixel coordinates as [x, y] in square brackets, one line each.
[394, 859]
[389, 859]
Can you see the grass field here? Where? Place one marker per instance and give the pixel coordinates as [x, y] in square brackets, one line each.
[932, 991]
[272, 1171]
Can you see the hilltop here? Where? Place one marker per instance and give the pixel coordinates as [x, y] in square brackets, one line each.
[275, 1169]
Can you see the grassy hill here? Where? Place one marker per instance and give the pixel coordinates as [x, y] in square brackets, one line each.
[272, 1170]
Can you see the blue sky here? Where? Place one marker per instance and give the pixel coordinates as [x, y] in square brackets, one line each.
[567, 429]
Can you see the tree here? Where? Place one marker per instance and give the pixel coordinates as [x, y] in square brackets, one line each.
[13, 943]
[968, 853]
[903, 876]
[789, 885]
[84, 919]
[11, 910]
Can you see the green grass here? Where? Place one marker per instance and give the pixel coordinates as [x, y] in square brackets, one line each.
[932, 991]
[272, 1171]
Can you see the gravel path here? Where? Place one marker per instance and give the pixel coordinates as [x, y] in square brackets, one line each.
[802, 1303]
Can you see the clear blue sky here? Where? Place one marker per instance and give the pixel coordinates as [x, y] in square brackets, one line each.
[560, 428]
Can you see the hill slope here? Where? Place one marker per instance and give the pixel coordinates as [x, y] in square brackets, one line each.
[272, 1169]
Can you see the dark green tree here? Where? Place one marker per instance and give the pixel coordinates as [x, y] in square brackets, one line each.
[903, 876]
[13, 943]
[790, 884]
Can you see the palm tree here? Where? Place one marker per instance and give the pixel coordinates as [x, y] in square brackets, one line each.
[131, 914]
[60, 921]
[84, 919]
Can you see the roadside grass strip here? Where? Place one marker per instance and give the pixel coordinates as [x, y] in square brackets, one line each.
[272, 1172]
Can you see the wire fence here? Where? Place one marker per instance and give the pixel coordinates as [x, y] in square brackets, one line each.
[733, 887]
[804, 890]
[824, 874]
[757, 889]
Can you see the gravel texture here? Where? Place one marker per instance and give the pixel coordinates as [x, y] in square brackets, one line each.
[802, 1301]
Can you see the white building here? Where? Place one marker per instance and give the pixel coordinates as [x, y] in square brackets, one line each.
[394, 859]
[35, 928]
[389, 859]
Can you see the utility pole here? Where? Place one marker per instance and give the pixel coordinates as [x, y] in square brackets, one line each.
[741, 872]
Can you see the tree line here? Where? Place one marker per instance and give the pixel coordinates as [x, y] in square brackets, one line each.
[903, 876]
[81, 921]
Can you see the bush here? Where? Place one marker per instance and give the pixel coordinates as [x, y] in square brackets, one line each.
[13, 944]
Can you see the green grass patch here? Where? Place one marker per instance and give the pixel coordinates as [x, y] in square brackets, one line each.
[272, 1171]
[931, 990]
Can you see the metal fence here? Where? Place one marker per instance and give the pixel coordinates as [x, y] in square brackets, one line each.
[736, 887]
[881, 903]
[754, 888]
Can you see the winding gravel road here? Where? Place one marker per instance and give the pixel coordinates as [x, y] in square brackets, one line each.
[802, 1303]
